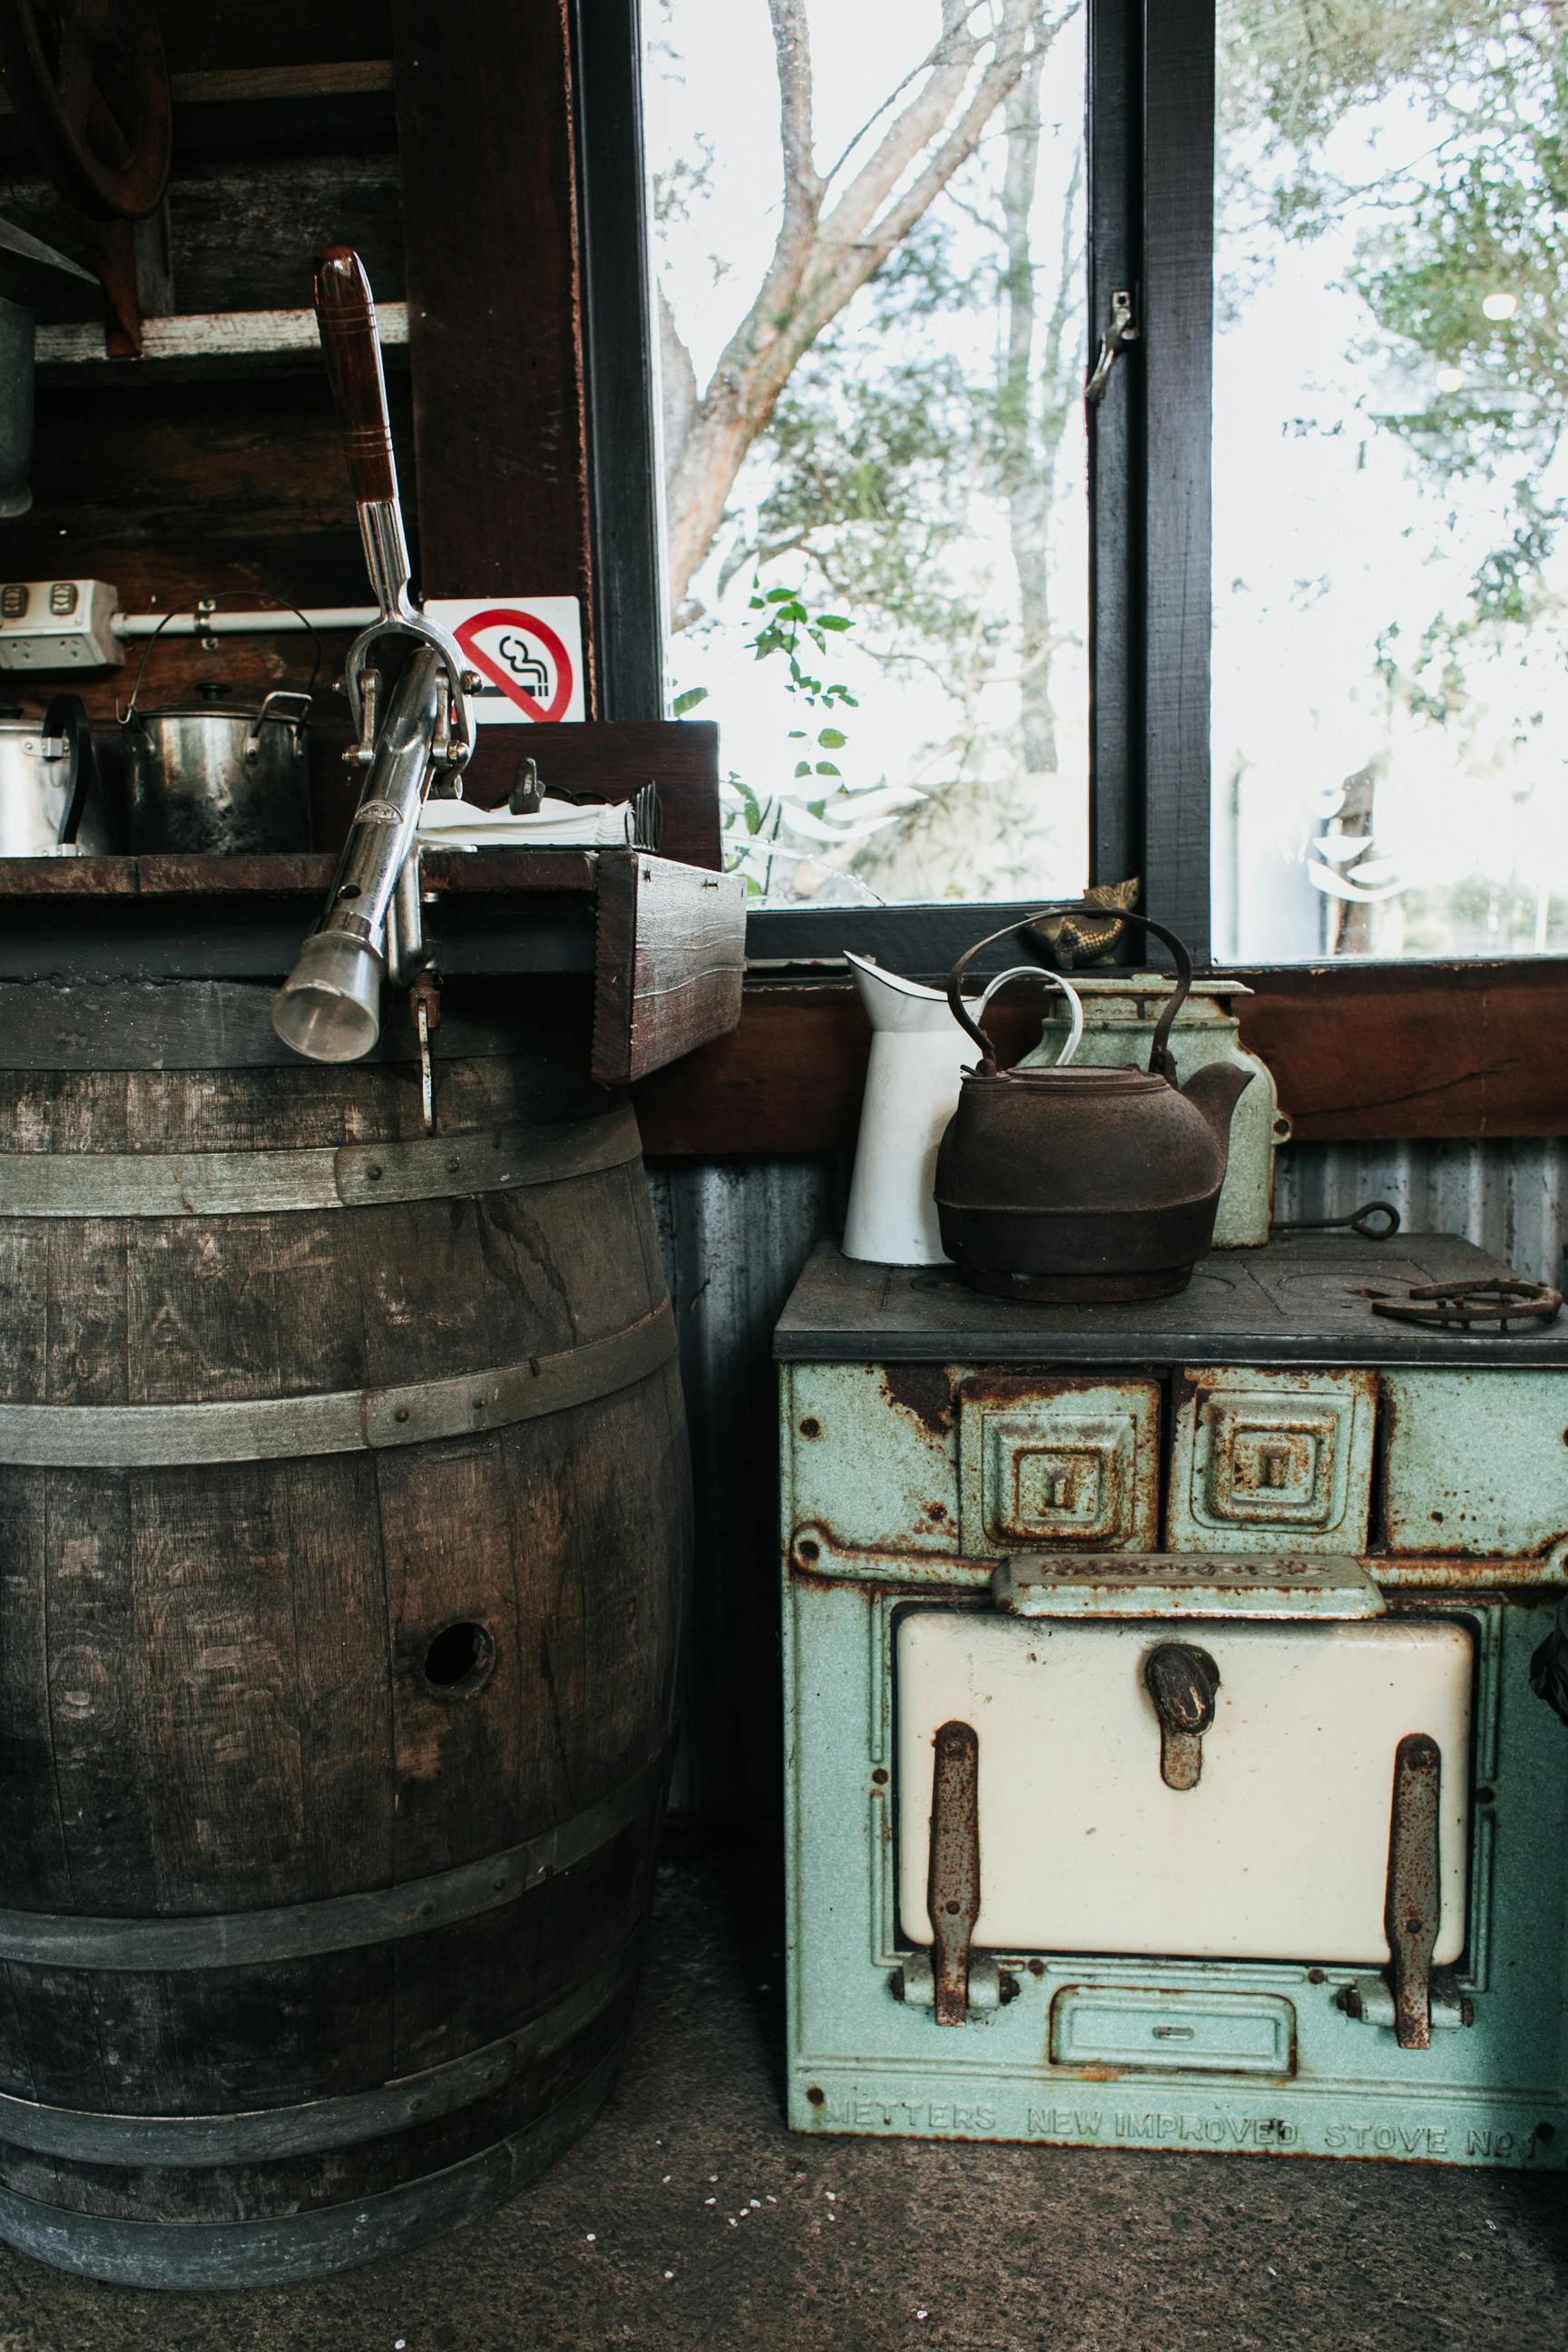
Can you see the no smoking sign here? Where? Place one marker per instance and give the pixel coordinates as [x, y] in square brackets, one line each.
[526, 652]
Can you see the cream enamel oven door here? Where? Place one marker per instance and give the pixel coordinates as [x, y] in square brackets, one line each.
[1281, 1850]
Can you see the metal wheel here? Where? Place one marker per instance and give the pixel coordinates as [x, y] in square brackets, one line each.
[88, 80]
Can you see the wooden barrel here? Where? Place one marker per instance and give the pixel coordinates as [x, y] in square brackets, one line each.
[341, 1530]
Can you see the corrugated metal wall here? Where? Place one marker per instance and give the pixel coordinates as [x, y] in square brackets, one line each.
[1507, 1197]
[736, 1233]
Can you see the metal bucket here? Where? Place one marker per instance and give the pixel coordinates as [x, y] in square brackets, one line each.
[209, 775]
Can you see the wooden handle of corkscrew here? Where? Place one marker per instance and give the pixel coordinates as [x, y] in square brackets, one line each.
[346, 321]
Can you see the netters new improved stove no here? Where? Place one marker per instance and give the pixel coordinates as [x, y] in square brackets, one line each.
[1164, 1763]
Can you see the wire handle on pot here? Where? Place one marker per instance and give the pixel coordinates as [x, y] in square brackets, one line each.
[198, 605]
[1161, 1064]
[1038, 972]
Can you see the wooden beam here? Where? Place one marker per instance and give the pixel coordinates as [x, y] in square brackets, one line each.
[787, 1078]
[1375, 1052]
[1360, 1053]
[486, 137]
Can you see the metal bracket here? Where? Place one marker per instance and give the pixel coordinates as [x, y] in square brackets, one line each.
[1415, 1901]
[914, 1982]
[1370, 2002]
[952, 1883]
[1121, 329]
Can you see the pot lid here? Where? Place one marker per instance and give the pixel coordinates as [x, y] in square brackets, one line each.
[246, 711]
[211, 699]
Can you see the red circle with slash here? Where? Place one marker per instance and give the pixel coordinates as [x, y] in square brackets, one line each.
[468, 633]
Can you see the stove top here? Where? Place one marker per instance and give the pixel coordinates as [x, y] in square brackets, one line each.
[1301, 1300]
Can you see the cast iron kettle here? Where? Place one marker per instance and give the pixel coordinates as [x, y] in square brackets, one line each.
[1070, 1186]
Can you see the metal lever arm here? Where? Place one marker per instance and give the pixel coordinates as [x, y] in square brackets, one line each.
[346, 321]
[381, 838]
[328, 1007]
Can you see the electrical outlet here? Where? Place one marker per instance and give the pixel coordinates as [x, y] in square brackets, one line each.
[50, 624]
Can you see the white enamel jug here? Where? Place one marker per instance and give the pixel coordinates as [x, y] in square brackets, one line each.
[918, 1054]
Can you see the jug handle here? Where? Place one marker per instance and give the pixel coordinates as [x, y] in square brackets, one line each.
[1038, 972]
[66, 719]
[1161, 1064]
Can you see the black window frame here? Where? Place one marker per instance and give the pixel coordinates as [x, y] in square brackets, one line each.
[1149, 105]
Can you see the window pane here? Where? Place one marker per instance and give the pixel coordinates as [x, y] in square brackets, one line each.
[875, 453]
[1390, 696]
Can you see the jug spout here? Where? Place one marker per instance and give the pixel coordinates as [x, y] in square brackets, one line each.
[1214, 1090]
[891, 1002]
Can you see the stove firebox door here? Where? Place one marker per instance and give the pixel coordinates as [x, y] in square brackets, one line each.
[1276, 1847]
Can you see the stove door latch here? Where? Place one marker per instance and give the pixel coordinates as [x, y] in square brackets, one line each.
[1182, 1681]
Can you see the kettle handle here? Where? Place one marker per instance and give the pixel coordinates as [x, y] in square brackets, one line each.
[1160, 1065]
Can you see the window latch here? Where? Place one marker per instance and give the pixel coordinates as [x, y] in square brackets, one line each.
[1121, 328]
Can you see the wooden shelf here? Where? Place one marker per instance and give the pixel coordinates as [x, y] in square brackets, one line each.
[207, 342]
[251, 85]
[664, 942]
[248, 85]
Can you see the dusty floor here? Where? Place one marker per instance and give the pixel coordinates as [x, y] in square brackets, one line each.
[688, 2221]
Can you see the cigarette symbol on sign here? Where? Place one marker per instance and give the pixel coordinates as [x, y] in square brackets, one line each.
[524, 665]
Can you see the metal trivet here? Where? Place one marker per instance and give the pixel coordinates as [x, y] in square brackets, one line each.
[1486, 1303]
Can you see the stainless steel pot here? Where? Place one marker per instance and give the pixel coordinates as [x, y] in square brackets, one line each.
[51, 804]
[209, 775]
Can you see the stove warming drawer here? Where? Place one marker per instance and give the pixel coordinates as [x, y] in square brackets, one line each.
[1277, 1851]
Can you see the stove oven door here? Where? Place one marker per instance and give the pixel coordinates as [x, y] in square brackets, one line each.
[1113, 1818]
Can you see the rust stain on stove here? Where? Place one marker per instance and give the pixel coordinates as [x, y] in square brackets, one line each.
[924, 1391]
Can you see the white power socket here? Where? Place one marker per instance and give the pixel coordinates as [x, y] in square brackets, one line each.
[58, 625]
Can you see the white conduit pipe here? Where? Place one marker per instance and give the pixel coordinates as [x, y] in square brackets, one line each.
[270, 622]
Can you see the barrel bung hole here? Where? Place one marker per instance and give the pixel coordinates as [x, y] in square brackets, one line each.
[459, 1659]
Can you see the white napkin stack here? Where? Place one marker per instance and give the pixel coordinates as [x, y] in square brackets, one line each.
[555, 824]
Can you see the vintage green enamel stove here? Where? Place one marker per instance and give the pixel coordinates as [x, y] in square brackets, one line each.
[1164, 1763]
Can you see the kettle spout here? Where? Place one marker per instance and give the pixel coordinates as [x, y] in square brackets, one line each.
[1214, 1090]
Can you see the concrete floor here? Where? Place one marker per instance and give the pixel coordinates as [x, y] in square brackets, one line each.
[689, 2220]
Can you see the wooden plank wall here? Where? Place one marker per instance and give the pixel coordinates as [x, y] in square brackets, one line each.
[167, 477]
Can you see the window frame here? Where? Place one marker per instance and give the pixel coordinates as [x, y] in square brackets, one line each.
[1150, 121]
